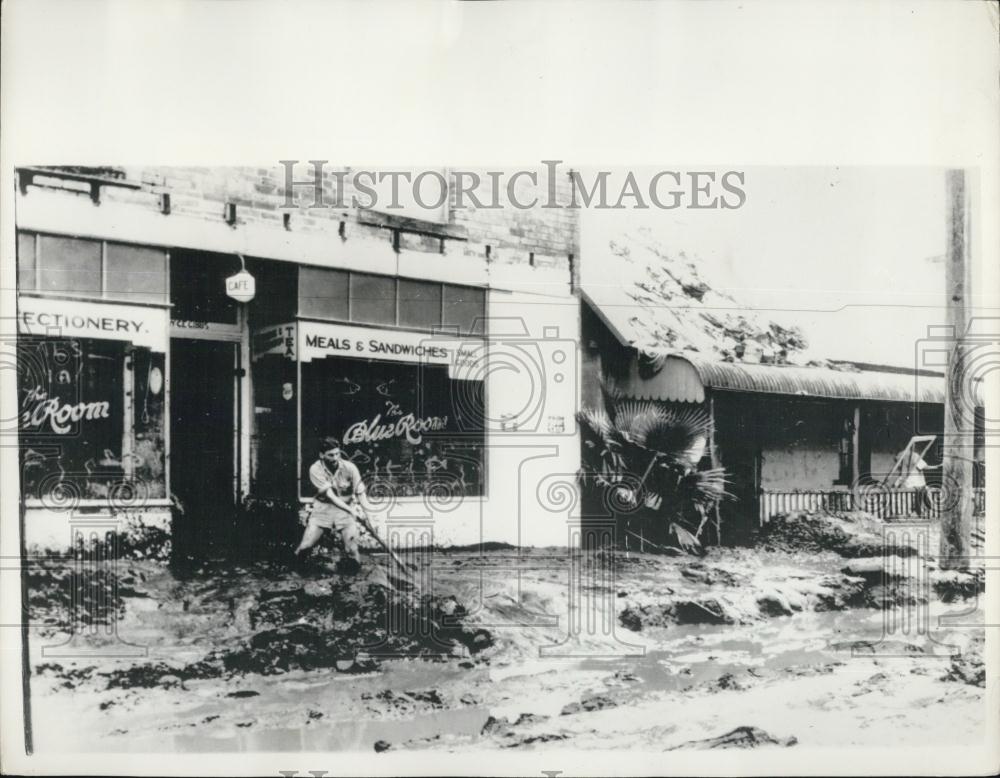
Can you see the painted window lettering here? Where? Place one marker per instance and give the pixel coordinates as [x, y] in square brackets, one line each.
[59, 415]
[409, 426]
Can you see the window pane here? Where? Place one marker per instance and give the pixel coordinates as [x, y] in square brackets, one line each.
[465, 307]
[323, 293]
[419, 304]
[409, 429]
[198, 286]
[26, 276]
[149, 448]
[136, 274]
[277, 298]
[72, 417]
[373, 299]
[69, 265]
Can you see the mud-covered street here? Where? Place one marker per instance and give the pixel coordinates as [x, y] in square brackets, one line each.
[767, 647]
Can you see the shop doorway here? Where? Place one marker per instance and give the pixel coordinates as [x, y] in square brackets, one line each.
[203, 439]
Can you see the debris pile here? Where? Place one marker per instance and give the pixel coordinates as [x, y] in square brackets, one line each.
[343, 624]
[968, 667]
[741, 737]
[849, 534]
[348, 629]
[678, 309]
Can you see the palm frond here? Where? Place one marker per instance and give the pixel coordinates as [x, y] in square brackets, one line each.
[638, 419]
[653, 448]
[685, 539]
[704, 487]
[594, 423]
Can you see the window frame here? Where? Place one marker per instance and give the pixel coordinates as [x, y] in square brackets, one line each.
[127, 441]
[440, 327]
[100, 296]
[301, 479]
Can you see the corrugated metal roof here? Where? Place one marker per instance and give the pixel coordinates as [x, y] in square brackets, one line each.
[683, 370]
[819, 382]
[684, 378]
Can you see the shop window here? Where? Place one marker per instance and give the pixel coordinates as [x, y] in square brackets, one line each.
[135, 273]
[75, 419]
[339, 295]
[91, 268]
[198, 286]
[419, 304]
[69, 265]
[465, 307]
[323, 293]
[373, 299]
[277, 287]
[409, 428]
[149, 447]
[27, 278]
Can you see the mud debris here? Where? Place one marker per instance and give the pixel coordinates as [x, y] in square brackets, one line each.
[404, 702]
[851, 534]
[506, 732]
[701, 573]
[267, 610]
[346, 626]
[741, 737]
[968, 667]
[953, 585]
[588, 704]
[730, 682]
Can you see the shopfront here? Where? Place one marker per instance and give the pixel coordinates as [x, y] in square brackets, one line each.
[92, 398]
[144, 388]
[387, 366]
[209, 382]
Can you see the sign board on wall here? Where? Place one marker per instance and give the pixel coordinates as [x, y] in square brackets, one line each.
[142, 325]
[275, 339]
[311, 340]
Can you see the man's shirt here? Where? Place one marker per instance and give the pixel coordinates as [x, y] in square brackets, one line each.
[345, 481]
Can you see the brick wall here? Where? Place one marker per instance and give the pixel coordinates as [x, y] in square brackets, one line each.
[543, 236]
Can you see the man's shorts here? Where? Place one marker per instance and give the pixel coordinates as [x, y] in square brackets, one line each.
[326, 515]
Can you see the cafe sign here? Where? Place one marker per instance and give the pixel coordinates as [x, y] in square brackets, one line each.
[241, 287]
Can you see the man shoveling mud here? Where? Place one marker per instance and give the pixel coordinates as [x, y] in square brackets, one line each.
[339, 504]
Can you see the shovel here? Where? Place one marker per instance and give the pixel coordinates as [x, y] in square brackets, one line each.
[364, 522]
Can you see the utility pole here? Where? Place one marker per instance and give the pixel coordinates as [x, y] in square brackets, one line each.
[959, 421]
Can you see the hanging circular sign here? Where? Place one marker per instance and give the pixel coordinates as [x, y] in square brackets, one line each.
[155, 380]
[241, 287]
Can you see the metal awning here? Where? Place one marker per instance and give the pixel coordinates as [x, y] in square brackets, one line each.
[687, 374]
[684, 378]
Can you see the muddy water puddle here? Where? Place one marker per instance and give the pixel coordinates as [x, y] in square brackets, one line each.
[325, 735]
[418, 703]
[688, 656]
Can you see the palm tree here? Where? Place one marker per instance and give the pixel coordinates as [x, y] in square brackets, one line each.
[640, 461]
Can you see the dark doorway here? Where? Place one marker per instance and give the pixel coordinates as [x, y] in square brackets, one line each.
[203, 470]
